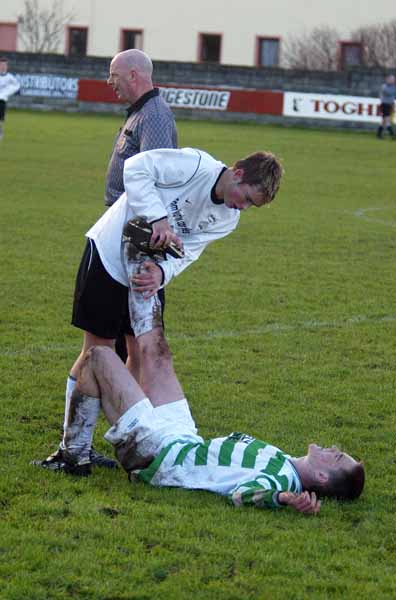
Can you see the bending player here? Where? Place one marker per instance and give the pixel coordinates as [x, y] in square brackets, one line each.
[156, 441]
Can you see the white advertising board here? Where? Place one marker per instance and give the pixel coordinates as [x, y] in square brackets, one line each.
[50, 86]
[195, 98]
[331, 106]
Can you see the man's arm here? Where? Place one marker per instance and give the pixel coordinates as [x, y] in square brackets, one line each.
[261, 495]
[193, 248]
[154, 276]
[145, 174]
[141, 173]
[16, 85]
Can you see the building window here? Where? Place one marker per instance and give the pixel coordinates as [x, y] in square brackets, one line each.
[209, 47]
[77, 42]
[350, 55]
[268, 52]
[8, 36]
[131, 38]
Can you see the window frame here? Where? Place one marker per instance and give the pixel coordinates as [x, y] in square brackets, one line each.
[201, 36]
[257, 57]
[125, 30]
[68, 41]
[342, 45]
[15, 25]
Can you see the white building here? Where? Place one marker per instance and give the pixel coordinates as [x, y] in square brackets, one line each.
[223, 31]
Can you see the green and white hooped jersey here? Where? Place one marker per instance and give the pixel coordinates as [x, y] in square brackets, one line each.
[246, 470]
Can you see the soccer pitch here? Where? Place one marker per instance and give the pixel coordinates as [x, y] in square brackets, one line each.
[285, 330]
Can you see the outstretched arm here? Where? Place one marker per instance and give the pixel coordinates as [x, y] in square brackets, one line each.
[261, 494]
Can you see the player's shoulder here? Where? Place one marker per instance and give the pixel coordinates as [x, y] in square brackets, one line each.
[169, 166]
[204, 160]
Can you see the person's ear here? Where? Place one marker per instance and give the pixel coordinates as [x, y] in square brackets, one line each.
[238, 175]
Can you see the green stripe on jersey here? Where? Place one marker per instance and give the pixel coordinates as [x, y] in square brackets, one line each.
[251, 452]
[226, 450]
[183, 453]
[148, 473]
[274, 466]
[201, 455]
[270, 481]
[259, 497]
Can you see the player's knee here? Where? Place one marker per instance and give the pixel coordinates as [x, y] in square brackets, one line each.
[98, 354]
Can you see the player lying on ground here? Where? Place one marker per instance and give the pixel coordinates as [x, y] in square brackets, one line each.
[157, 442]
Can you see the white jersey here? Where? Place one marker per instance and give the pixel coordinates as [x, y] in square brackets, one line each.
[246, 470]
[9, 85]
[172, 183]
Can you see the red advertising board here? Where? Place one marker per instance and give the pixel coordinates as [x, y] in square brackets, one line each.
[195, 97]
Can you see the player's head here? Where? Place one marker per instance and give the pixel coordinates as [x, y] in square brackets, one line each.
[252, 181]
[390, 79]
[3, 64]
[263, 170]
[332, 473]
[130, 74]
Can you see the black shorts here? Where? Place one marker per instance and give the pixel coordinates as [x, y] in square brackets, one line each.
[100, 303]
[386, 109]
[3, 106]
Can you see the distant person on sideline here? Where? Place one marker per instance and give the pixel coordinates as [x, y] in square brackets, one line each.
[156, 441]
[387, 106]
[9, 85]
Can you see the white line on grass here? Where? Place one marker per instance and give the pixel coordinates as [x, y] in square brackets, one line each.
[273, 328]
[361, 213]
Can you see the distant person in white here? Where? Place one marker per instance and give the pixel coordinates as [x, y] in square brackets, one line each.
[9, 85]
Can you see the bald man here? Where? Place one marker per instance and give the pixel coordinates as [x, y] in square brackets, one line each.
[149, 125]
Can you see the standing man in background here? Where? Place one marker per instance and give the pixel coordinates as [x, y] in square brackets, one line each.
[9, 85]
[387, 97]
[149, 125]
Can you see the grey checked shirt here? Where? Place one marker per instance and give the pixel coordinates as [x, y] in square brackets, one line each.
[149, 125]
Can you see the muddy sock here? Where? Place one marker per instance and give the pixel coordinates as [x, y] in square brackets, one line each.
[80, 426]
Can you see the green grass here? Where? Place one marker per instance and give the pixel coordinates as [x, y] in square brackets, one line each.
[284, 330]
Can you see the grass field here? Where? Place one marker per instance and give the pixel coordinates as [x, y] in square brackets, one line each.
[285, 330]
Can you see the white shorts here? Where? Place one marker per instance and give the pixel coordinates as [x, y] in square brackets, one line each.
[142, 431]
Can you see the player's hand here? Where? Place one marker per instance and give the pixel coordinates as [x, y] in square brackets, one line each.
[149, 280]
[163, 235]
[305, 502]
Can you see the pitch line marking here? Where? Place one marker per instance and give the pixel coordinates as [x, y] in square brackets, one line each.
[361, 213]
[271, 328]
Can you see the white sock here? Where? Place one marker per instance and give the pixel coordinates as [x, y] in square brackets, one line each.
[70, 385]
